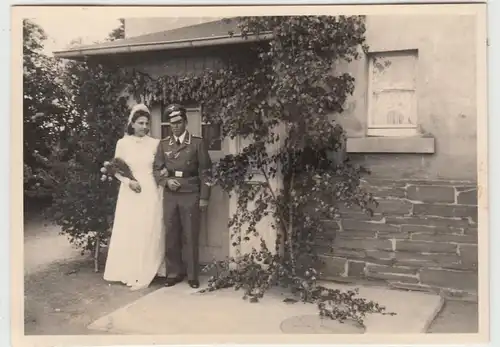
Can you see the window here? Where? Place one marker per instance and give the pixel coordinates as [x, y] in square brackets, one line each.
[210, 132]
[392, 94]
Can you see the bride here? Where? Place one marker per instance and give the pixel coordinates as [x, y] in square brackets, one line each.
[137, 246]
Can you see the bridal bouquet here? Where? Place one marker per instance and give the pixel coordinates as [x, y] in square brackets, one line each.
[114, 166]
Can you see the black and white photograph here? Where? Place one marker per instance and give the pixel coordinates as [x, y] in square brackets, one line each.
[257, 171]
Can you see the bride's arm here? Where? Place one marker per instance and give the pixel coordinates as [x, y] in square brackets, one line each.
[119, 154]
[122, 179]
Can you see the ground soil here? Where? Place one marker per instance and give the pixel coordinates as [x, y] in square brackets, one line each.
[63, 294]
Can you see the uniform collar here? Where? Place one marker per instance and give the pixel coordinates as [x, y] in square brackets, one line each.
[184, 138]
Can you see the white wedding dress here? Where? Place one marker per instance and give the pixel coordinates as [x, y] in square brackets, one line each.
[136, 251]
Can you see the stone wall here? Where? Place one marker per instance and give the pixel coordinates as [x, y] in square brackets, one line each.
[423, 236]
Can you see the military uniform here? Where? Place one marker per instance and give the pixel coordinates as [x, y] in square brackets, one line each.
[189, 163]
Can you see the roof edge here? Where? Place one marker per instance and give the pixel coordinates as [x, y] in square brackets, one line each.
[160, 45]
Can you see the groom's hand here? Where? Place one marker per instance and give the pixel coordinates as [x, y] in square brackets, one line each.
[173, 185]
[203, 205]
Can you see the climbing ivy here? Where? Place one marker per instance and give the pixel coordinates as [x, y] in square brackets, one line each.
[281, 95]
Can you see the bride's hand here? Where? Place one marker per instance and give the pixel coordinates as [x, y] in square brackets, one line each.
[135, 186]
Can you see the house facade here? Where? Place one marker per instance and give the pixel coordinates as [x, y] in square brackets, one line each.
[411, 121]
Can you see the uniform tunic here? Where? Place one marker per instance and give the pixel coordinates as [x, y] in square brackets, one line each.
[190, 164]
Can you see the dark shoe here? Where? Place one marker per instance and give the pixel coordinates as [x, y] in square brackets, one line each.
[172, 281]
[194, 284]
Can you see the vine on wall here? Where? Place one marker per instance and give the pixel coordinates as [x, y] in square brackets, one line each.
[288, 82]
[280, 92]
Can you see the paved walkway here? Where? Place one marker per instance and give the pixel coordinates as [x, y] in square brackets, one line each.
[180, 310]
[44, 245]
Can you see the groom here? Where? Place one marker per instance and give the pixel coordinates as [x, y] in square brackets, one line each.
[186, 195]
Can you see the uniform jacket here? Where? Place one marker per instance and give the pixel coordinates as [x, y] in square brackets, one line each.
[190, 158]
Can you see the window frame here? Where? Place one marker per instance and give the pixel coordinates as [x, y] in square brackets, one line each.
[390, 130]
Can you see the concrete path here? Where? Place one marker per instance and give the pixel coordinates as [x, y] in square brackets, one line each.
[180, 310]
[44, 245]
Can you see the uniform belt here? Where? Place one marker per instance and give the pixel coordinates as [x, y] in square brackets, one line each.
[182, 174]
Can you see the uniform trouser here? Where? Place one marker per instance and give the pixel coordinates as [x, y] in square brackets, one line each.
[182, 222]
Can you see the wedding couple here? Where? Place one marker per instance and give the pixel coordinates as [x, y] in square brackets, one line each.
[161, 208]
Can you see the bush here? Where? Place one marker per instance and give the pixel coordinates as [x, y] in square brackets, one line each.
[46, 110]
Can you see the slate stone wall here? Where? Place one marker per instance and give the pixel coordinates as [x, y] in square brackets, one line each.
[423, 236]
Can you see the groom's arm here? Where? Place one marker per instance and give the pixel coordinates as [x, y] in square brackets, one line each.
[159, 164]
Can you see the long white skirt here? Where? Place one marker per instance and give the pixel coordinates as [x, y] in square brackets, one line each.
[137, 246]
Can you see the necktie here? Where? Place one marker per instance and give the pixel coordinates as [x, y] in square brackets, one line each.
[178, 142]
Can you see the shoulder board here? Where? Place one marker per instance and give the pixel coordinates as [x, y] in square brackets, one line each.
[196, 136]
[166, 139]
